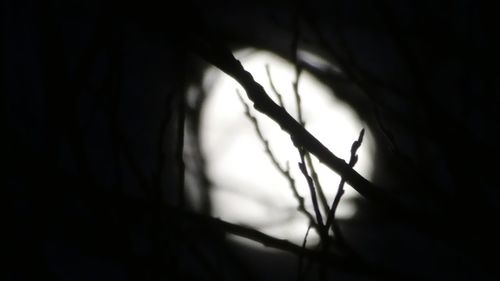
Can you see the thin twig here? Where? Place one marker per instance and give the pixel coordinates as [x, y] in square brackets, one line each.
[273, 87]
[298, 100]
[309, 162]
[340, 191]
[317, 183]
[319, 218]
[313, 182]
[300, 275]
[283, 171]
[314, 174]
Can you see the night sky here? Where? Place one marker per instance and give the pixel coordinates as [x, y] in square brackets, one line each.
[105, 173]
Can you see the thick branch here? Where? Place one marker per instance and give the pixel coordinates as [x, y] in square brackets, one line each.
[222, 58]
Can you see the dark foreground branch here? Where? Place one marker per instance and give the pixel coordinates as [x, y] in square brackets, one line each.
[335, 261]
[257, 236]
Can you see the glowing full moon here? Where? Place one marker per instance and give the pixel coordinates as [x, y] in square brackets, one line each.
[247, 188]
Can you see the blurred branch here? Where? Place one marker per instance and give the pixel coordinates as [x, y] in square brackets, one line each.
[353, 72]
[181, 120]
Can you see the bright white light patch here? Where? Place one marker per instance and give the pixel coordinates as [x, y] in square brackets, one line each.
[247, 187]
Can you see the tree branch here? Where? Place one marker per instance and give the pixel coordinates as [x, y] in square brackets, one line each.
[221, 57]
[285, 172]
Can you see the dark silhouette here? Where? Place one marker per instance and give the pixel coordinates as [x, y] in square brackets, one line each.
[94, 103]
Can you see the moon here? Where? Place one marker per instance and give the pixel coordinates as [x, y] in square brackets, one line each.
[247, 188]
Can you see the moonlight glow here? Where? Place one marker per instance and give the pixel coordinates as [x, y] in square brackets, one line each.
[247, 188]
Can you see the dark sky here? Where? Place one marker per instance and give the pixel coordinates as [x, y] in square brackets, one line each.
[92, 96]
